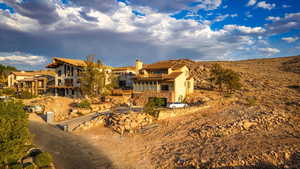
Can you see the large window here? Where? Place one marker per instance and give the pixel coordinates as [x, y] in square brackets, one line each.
[165, 87]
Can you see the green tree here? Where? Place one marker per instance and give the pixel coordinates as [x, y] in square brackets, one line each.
[15, 139]
[5, 71]
[152, 105]
[95, 78]
[225, 79]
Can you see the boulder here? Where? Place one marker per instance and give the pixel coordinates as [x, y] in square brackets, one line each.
[247, 124]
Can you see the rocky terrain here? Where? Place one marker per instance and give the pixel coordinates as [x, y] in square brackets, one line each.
[261, 129]
[256, 127]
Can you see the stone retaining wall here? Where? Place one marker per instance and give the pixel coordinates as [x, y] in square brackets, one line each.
[169, 113]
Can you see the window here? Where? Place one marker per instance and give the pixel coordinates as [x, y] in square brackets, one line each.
[65, 69]
[59, 82]
[165, 87]
[59, 73]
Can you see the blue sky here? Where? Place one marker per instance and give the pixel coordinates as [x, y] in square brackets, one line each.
[118, 32]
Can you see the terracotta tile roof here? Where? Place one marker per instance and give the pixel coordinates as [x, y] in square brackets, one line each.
[165, 77]
[163, 65]
[35, 73]
[131, 68]
[75, 62]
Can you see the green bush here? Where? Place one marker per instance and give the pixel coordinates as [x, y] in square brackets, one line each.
[152, 105]
[43, 159]
[225, 78]
[16, 166]
[85, 104]
[7, 91]
[15, 138]
[30, 166]
[24, 95]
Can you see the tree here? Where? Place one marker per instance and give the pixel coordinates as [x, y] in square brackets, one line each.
[15, 139]
[5, 71]
[225, 79]
[95, 78]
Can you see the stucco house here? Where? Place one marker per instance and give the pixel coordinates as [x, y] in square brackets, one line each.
[36, 82]
[167, 80]
[125, 76]
[67, 78]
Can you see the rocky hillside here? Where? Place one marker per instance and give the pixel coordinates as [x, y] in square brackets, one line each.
[260, 129]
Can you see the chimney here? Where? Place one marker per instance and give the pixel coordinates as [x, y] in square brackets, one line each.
[138, 65]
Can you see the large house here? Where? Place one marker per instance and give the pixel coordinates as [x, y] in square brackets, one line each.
[125, 76]
[67, 78]
[35, 82]
[168, 80]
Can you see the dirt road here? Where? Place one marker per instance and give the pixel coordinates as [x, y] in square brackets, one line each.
[69, 151]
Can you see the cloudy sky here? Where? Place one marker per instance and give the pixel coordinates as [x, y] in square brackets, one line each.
[119, 31]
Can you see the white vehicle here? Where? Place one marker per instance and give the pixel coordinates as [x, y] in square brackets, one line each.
[177, 105]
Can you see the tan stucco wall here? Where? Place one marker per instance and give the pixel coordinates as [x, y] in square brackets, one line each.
[12, 80]
[180, 88]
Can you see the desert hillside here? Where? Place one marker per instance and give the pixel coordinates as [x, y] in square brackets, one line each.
[259, 128]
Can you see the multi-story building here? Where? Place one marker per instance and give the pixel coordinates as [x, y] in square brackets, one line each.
[36, 82]
[167, 80]
[67, 78]
[124, 76]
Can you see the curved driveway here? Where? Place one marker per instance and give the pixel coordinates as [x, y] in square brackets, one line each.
[69, 151]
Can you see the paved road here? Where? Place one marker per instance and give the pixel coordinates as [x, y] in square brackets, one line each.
[69, 151]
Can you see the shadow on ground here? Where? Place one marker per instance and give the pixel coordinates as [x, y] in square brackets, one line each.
[69, 151]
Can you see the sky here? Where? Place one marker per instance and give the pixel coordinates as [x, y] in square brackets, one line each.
[120, 31]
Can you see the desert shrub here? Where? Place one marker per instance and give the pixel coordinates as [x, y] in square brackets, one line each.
[83, 104]
[152, 105]
[251, 101]
[7, 91]
[30, 166]
[43, 159]
[225, 79]
[15, 138]
[24, 95]
[16, 166]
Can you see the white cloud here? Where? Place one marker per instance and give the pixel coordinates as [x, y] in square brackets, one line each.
[251, 2]
[265, 5]
[248, 14]
[286, 6]
[208, 4]
[81, 30]
[244, 29]
[273, 18]
[290, 39]
[223, 17]
[20, 58]
[269, 51]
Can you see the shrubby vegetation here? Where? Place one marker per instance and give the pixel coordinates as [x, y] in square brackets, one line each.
[4, 72]
[43, 159]
[24, 95]
[226, 79]
[15, 138]
[85, 104]
[152, 105]
[7, 91]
